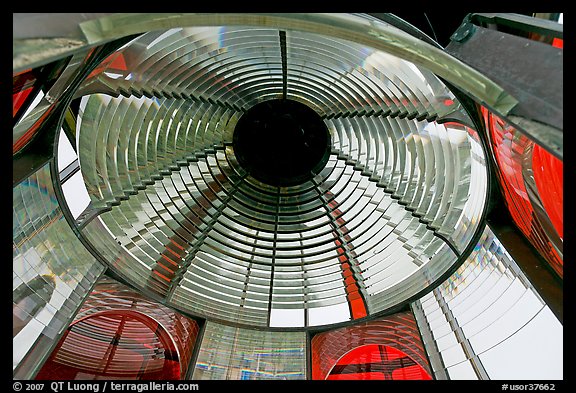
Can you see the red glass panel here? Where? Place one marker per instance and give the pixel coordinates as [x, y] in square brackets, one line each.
[119, 334]
[114, 62]
[18, 99]
[362, 355]
[371, 350]
[372, 376]
[340, 233]
[532, 186]
[410, 373]
[377, 362]
[26, 86]
[23, 84]
[548, 174]
[114, 344]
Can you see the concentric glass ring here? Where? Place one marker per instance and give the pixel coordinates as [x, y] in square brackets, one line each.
[394, 209]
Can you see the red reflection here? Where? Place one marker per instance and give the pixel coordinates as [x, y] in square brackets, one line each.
[26, 87]
[558, 43]
[114, 62]
[346, 258]
[532, 186]
[387, 348]
[22, 86]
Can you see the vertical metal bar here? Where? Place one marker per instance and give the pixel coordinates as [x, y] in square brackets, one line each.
[196, 351]
[274, 253]
[284, 64]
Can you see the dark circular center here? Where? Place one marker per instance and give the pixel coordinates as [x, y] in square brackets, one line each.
[281, 142]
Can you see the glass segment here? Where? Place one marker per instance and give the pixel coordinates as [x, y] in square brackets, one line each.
[229, 353]
[119, 334]
[387, 348]
[532, 183]
[377, 362]
[487, 321]
[276, 196]
[52, 273]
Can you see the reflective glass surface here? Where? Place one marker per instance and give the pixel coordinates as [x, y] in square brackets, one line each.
[229, 353]
[377, 362]
[487, 321]
[52, 272]
[22, 86]
[168, 203]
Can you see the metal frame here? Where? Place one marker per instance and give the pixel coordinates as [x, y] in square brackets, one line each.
[529, 70]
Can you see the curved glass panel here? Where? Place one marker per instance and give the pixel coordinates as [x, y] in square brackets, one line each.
[385, 348]
[52, 272]
[397, 201]
[487, 321]
[532, 183]
[119, 334]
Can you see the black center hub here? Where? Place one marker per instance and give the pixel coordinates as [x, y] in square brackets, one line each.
[281, 142]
